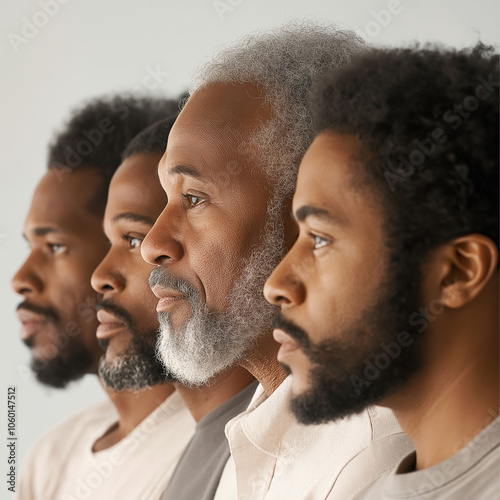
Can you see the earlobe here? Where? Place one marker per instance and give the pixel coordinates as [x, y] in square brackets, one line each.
[473, 259]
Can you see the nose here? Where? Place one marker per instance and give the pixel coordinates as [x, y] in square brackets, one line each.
[27, 280]
[160, 246]
[106, 277]
[284, 287]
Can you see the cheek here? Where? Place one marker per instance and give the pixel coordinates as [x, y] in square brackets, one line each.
[217, 267]
[76, 301]
[334, 297]
[143, 312]
[342, 290]
[218, 259]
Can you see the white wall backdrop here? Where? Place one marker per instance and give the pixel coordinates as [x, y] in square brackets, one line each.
[54, 53]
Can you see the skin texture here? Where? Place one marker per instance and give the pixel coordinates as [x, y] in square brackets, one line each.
[332, 275]
[66, 243]
[217, 202]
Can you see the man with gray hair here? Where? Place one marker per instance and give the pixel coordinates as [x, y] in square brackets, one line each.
[229, 174]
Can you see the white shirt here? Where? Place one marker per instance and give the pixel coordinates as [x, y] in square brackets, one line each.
[276, 457]
[62, 465]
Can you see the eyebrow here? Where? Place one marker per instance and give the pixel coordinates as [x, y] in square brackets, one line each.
[185, 170]
[133, 217]
[42, 231]
[320, 213]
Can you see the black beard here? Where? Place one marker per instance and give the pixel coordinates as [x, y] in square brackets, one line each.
[363, 365]
[62, 369]
[138, 367]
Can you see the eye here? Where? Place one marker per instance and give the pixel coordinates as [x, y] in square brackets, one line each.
[56, 248]
[193, 200]
[133, 241]
[319, 242]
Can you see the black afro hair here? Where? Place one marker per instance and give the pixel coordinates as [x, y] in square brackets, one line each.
[427, 121]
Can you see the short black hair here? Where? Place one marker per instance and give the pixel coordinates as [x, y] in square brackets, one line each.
[98, 132]
[152, 139]
[427, 121]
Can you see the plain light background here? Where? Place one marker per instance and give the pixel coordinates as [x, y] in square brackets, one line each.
[91, 47]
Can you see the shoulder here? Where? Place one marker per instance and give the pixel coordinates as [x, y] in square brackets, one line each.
[56, 446]
[62, 434]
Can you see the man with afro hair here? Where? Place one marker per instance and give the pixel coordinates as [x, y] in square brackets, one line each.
[389, 296]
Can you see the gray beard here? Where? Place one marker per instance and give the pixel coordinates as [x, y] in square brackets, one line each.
[136, 369]
[210, 342]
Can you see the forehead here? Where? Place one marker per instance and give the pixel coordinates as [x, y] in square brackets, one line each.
[61, 198]
[217, 122]
[331, 178]
[135, 186]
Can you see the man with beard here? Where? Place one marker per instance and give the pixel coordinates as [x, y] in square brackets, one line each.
[229, 173]
[64, 231]
[128, 332]
[390, 294]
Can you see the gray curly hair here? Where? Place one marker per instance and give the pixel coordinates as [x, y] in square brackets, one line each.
[283, 62]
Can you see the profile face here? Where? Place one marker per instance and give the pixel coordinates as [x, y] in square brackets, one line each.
[127, 314]
[128, 323]
[206, 238]
[335, 288]
[66, 242]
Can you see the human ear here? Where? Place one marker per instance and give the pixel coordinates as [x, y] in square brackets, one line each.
[471, 261]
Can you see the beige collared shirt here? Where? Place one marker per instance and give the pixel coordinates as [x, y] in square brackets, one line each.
[275, 457]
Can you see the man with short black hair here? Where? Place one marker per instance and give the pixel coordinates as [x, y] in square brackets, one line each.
[129, 326]
[64, 231]
[86, 453]
[390, 294]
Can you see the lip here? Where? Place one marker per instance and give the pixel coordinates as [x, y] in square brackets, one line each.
[109, 326]
[31, 323]
[288, 344]
[166, 298]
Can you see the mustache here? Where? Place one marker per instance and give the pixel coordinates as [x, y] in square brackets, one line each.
[47, 312]
[295, 331]
[162, 277]
[122, 314]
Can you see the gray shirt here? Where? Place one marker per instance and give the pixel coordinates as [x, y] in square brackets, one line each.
[200, 467]
[472, 473]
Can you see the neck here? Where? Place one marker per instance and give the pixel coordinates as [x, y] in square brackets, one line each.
[202, 400]
[457, 394]
[263, 364]
[133, 408]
